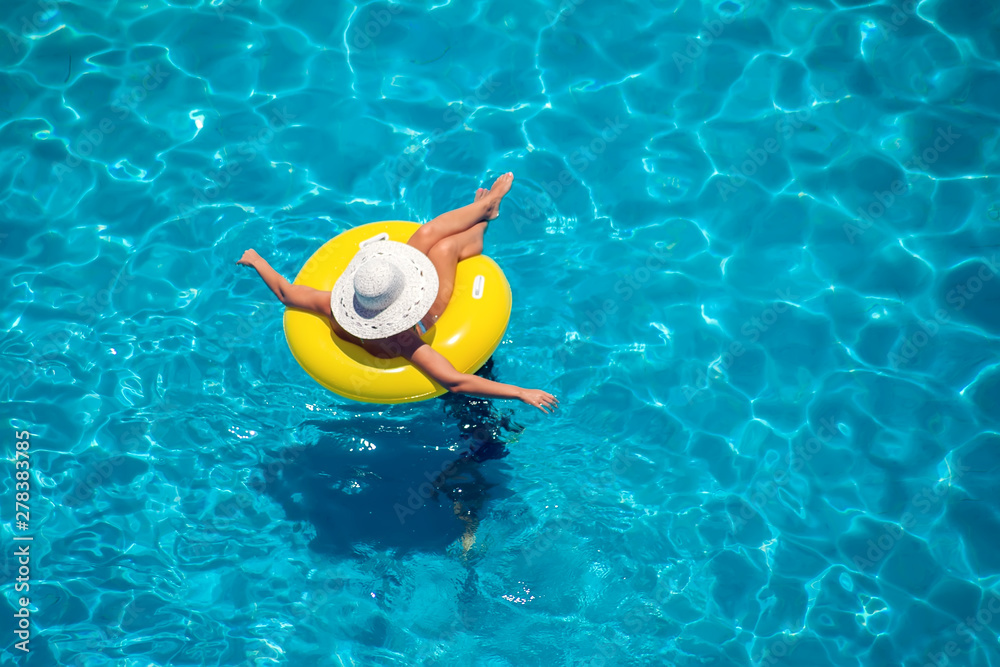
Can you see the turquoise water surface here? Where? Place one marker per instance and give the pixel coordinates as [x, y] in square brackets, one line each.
[753, 247]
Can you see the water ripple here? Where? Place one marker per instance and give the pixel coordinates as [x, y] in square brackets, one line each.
[752, 248]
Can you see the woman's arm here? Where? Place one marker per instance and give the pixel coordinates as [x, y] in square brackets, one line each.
[277, 282]
[293, 296]
[436, 366]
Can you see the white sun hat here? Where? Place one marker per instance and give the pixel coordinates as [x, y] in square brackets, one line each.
[387, 288]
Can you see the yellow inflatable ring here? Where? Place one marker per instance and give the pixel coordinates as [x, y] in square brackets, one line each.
[467, 333]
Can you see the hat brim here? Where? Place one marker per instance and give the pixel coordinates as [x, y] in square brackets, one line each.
[420, 289]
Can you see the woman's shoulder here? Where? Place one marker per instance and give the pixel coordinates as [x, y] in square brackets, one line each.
[401, 345]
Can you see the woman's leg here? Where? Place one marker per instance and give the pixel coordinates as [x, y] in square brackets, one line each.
[445, 256]
[483, 209]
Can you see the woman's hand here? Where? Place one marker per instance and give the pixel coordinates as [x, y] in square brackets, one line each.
[248, 258]
[542, 400]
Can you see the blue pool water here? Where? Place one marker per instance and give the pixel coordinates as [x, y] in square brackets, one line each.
[754, 249]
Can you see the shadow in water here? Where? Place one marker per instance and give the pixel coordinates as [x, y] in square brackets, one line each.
[401, 486]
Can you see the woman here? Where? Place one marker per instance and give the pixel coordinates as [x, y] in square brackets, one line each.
[391, 293]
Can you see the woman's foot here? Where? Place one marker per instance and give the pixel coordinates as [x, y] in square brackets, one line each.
[480, 193]
[501, 187]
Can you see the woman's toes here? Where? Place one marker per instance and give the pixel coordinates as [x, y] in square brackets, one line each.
[501, 186]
